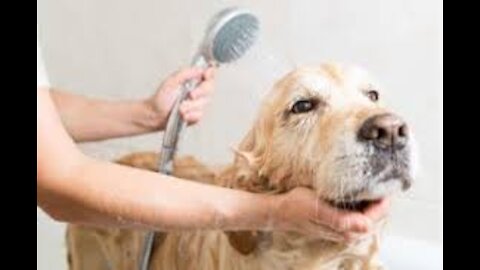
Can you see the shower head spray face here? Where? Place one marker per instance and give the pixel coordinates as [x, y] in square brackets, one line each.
[229, 35]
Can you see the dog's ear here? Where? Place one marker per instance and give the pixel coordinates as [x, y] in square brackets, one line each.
[244, 175]
[257, 141]
[244, 159]
[246, 242]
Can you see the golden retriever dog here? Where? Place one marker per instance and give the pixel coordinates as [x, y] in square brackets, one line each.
[321, 127]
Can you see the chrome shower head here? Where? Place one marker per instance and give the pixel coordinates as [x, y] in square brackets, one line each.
[230, 33]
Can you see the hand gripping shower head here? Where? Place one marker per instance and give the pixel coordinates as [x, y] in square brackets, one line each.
[230, 33]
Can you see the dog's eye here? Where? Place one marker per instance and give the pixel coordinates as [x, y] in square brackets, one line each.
[303, 106]
[372, 95]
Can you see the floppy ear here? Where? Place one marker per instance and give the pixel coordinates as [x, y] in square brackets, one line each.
[258, 138]
[243, 241]
[246, 242]
[244, 175]
[247, 159]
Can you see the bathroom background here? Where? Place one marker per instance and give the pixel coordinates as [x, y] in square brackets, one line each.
[120, 49]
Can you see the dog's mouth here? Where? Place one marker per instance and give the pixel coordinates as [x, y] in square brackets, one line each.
[383, 175]
[356, 205]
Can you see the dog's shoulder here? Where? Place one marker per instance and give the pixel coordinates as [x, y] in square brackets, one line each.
[186, 167]
[142, 160]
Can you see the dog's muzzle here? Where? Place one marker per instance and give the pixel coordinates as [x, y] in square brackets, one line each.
[388, 135]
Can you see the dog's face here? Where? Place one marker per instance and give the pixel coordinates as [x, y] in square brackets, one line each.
[326, 128]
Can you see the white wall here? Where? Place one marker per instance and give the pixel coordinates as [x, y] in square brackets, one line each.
[122, 49]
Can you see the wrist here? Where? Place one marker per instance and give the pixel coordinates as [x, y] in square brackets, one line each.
[252, 212]
[274, 209]
[151, 118]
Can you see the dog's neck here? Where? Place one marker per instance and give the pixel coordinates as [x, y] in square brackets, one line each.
[249, 172]
[245, 174]
[253, 170]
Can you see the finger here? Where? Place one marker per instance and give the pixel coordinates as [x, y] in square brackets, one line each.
[352, 222]
[185, 74]
[210, 73]
[193, 105]
[204, 89]
[332, 237]
[324, 232]
[352, 238]
[378, 211]
[193, 117]
[341, 220]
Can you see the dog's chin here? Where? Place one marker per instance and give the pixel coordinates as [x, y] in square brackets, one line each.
[370, 184]
[367, 197]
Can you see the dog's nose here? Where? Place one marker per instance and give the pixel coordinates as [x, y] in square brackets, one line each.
[385, 131]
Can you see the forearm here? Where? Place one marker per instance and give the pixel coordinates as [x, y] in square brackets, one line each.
[89, 119]
[101, 193]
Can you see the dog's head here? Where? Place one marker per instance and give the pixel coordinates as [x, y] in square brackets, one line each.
[326, 128]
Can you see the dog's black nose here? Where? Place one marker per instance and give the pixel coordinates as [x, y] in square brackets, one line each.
[385, 131]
